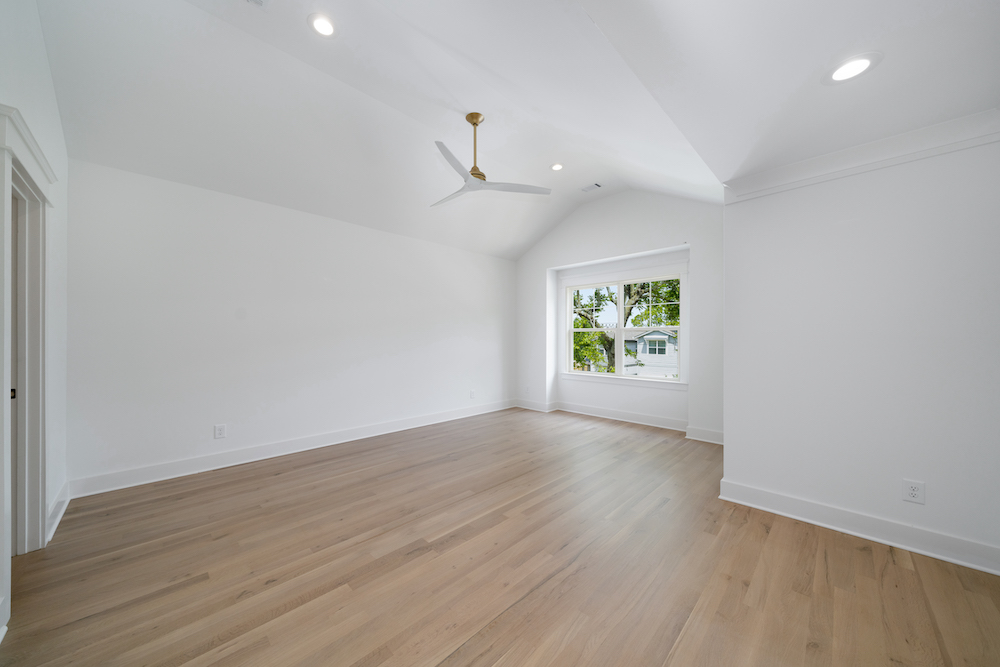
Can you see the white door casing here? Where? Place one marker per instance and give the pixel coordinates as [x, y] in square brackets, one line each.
[26, 175]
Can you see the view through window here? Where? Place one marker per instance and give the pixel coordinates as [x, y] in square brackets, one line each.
[626, 328]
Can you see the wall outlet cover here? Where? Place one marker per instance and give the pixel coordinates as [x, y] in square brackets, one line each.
[220, 431]
[913, 491]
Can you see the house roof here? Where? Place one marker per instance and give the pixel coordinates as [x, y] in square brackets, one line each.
[657, 334]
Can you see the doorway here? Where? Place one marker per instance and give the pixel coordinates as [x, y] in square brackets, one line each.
[27, 365]
[15, 467]
[26, 178]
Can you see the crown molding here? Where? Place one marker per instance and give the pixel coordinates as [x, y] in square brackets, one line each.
[22, 141]
[954, 135]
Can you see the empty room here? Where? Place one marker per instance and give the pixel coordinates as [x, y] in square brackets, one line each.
[544, 332]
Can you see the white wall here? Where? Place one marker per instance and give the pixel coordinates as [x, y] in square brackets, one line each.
[862, 319]
[190, 308]
[625, 224]
[26, 84]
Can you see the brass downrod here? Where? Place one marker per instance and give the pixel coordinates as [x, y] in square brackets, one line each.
[475, 119]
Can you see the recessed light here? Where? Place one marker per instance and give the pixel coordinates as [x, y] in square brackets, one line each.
[556, 167]
[321, 24]
[852, 67]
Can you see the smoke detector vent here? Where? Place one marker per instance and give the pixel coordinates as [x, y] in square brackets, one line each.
[257, 3]
[591, 188]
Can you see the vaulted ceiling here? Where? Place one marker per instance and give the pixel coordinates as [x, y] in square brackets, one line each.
[670, 96]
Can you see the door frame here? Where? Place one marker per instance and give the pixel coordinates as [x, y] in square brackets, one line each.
[30, 383]
[26, 174]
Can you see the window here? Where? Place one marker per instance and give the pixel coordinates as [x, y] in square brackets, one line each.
[627, 328]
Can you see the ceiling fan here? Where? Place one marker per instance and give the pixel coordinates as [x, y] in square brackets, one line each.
[475, 179]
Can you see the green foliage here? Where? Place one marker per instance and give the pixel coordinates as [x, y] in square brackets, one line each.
[634, 353]
[589, 309]
[590, 351]
[653, 304]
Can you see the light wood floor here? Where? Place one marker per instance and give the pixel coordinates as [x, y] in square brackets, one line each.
[514, 539]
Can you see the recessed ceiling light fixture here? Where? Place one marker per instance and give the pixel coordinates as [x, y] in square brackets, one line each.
[321, 24]
[556, 167]
[852, 67]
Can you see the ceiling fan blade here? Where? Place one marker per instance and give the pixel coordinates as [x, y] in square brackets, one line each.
[461, 191]
[453, 161]
[516, 187]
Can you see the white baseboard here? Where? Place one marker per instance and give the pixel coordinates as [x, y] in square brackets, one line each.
[533, 405]
[56, 511]
[621, 415]
[705, 435]
[945, 547]
[88, 486]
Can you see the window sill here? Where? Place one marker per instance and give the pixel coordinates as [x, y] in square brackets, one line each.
[649, 383]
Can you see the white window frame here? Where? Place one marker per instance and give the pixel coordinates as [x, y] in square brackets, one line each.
[619, 273]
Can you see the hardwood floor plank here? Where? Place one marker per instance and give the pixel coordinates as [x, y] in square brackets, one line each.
[908, 629]
[963, 631]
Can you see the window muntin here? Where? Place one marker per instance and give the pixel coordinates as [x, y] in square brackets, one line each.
[636, 335]
[652, 354]
[653, 303]
[596, 307]
[594, 310]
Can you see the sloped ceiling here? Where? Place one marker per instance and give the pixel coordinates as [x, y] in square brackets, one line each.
[742, 80]
[667, 96]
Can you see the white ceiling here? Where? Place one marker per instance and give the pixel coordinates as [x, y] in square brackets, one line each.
[663, 95]
[742, 79]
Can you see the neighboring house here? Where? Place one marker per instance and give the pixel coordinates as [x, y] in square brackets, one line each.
[655, 354]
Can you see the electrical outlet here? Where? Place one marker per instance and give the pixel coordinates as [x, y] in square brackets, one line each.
[220, 431]
[472, 393]
[913, 491]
